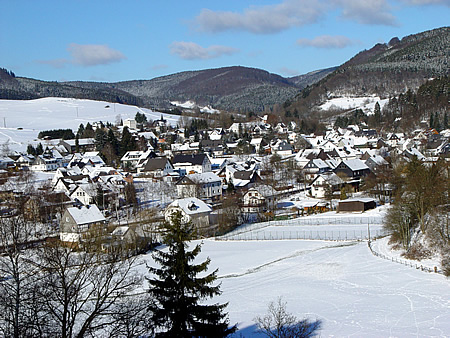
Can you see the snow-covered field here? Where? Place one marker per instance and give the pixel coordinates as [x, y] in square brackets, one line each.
[21, 121]
[367, 103]
[353, 292]
[192, 105]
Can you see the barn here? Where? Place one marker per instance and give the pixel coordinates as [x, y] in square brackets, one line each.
[356, 205]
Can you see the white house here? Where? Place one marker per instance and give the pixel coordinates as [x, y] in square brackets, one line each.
[76, 221]
[134, 158]
[259, 199]
[206, 186]
[195, 163]
[130, 123]
[156, 167]
[192, 210]
[324, 181]
[44, 164]
[84, 193]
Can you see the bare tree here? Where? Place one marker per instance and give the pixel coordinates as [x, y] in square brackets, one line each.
[17, 278]
[131, 317]
[278, 323]
[80, 288]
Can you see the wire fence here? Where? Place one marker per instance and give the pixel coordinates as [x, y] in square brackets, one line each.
[328, 235]
[404, 262]
[310, 221]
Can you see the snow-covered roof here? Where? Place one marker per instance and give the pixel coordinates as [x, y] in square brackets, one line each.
[330, 177]
[120, 230]
[191, 205]
[86, 214]
[359, 199]
[356, 164]
[207, 177]
[379, 160]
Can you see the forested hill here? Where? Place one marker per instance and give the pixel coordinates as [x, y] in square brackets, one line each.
[228, 88]
[21, 88]
[385, 70]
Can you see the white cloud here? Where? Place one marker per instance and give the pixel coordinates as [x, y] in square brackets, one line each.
[193, 51]
[427, 2]
[371, 12]
[327, 41]
[262, 19]
[93, 55]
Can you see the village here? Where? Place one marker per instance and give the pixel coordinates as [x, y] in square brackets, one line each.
[218, 178]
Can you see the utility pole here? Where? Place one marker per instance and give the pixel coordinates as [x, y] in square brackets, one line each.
[77, 111]
[4, 122]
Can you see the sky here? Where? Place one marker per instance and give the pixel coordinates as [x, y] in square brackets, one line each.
[111, 40]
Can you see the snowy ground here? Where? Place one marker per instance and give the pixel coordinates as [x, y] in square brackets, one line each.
[21, 121]
[341, 283]
[367, 104]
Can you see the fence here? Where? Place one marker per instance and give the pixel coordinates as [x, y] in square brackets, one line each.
[328, 235]
[406, 263]
[306, 221]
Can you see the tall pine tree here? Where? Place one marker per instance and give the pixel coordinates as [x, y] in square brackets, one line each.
[177, 289]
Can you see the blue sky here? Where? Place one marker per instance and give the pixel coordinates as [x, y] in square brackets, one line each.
[110, 40]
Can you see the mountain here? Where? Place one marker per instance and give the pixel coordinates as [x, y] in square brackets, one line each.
[229, 88]
[21, 88]
[385, 70]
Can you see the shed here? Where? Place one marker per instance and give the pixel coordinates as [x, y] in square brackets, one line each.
[356, 205]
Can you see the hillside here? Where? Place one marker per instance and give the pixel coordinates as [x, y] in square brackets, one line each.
[385, 70]
[228, 88]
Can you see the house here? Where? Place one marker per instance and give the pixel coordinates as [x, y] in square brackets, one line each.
[212, 147]
[195, 163]
[353, 169]
[258, 143]
[134, 158]
[84, 144]
[156, 167]
[205, 186]
[240, 175]
[44, 207]
[325, 181]
[192, 210]
[24, 161]
[76, 222]
[130, 123]
[42, 163]
[356, 205]
[6, 162]
[282, 148]
[216, 134]
[376, 163]
[84, 194]
[314, 167]
[259, 199]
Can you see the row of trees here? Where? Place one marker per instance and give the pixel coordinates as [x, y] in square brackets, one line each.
[421, 207]
[48, 289]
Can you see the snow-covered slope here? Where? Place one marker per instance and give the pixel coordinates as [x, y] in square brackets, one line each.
[192, 105]
[341, 283]
[21, 121]
[366, 103]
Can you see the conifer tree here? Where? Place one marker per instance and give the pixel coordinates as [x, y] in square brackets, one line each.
[177, 289]
[127, 142]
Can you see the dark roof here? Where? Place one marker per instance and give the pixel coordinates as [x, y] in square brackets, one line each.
[211, 143]
[155, 163]
[243, 175]
[193, 159]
